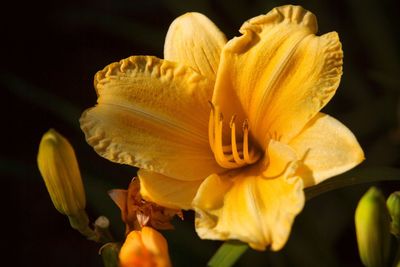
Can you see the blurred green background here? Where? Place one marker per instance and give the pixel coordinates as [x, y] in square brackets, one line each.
[51, 51]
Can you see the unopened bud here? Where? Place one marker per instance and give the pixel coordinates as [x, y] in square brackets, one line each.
[373, 229]
[60, 171]
[393, 204]
[59, 168]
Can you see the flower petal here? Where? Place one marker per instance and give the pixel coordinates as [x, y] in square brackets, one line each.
[255, 205]
[327, 148]
[195, 41]
[152, 114]
[278, 74]
[166, 191]
[119, 196]
[144, 248]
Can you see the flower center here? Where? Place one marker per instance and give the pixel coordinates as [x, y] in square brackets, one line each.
[235, 155]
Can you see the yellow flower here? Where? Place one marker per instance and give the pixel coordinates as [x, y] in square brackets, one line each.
[229, 129]
[145, 248]
[60, 171]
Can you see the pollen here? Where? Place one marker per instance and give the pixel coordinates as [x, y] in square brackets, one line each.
[236, 154]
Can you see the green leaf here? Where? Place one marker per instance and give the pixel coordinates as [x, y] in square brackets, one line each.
[228, 254]
[354, 177]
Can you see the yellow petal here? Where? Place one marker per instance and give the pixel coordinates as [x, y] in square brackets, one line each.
[166, 191]
[144, 248]
[256, 205]
[152, 114]
[278, 74]
[195, 41]
[327, 148]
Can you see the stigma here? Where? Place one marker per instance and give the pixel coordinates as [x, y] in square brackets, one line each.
[236, 154]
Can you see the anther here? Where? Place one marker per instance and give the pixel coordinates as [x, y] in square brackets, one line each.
[232, 120]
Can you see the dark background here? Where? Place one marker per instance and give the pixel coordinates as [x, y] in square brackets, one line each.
[50, 53]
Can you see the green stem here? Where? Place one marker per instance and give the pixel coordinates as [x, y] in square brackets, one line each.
[109, 254]
[101, 227]
[228, 254]
[80, 222]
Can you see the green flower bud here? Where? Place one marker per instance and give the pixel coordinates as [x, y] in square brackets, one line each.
[373, 228]
[393, 204]
[59, 168]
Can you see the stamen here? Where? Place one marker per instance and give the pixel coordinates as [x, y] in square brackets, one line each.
[246, 141]
[211, 129]
[211, 126]
[218, 152]
[252, 157]
[236, 154]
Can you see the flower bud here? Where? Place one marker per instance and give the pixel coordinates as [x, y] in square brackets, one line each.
[144, 248]
[59, 168]
[393, 204]
[373, 229]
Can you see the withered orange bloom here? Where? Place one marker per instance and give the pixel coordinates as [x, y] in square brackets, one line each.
[232, 130]
[145, 248]
[137, 212]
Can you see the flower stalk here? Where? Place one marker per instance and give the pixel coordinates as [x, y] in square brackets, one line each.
[102, 230]
[109, 254]
[228, 254]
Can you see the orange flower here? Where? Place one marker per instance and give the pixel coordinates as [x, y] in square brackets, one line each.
[145, 248]
[137, 212]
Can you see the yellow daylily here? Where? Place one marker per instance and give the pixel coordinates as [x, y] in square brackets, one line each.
[231, 129]
[144, 248]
